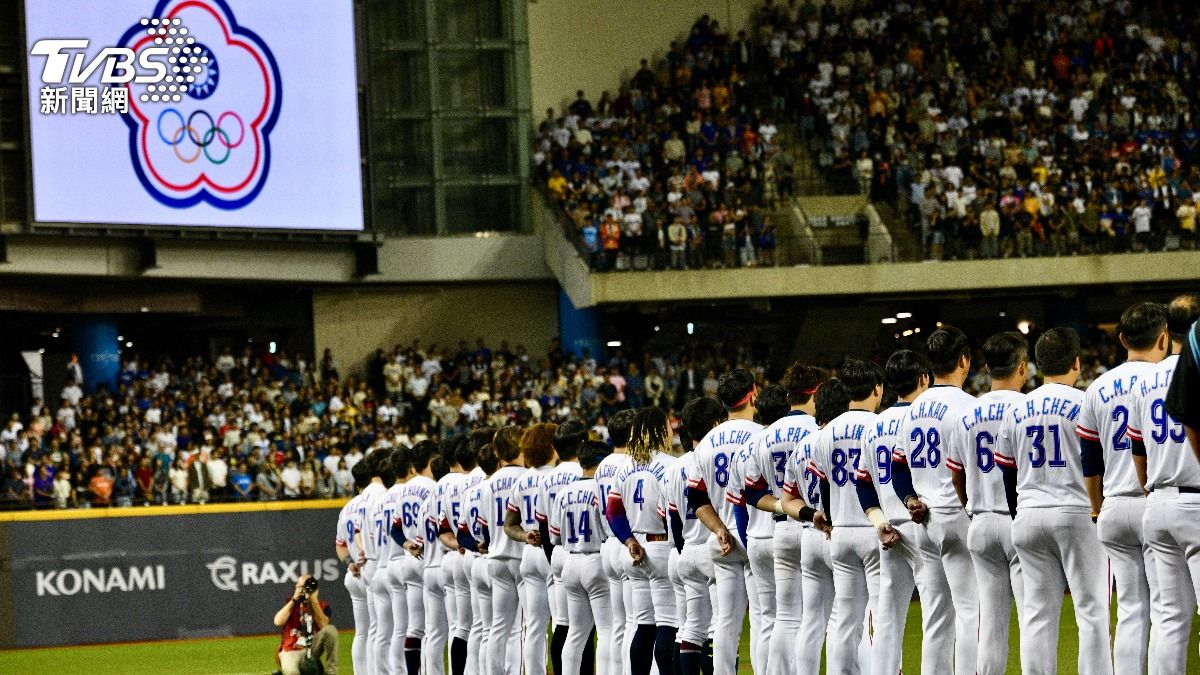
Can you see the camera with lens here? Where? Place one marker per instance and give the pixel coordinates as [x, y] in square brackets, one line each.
[310, 585]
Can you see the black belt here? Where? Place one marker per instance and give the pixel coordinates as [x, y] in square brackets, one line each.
[780, 518]
[1183, 490]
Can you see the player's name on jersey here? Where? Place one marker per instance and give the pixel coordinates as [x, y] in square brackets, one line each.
[1120, 388]
[1064, 407]
[730, 437]
[991, 412]
[788, 435]
[584, 496]
[1161, 380]
[848, 432]
[929, 410]
[888, 427]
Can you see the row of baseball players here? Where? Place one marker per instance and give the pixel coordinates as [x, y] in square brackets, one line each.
[812, 510]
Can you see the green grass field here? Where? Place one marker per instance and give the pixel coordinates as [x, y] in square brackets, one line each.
[246, 656]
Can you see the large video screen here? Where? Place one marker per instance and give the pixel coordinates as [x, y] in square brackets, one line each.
[197, 113]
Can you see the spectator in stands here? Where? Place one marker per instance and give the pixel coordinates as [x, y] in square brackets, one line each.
[242, 483]
[199, 480]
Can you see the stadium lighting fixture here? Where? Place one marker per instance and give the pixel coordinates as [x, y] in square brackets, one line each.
[120, 338]
[939, 324]
[271, 347]
[917, 329]
[657, 328]
[691, 327]
[54, 334]
[904, 315]
[888, 320]
[145, 309]
[908, 332]
[614, 343]
[129, 344]
[1003, 314]
[42, 351]
[897, 336]
[1023, 326]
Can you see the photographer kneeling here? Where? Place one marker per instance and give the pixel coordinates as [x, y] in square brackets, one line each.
[310, 640]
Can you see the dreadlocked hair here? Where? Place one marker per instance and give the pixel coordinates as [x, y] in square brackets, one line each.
[650, 433]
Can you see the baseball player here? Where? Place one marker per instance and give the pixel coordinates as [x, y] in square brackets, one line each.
[636, 515]
[566, 440]
[802, 500]
[1053, 532]
[463, 650]
[407, 565]
[520, 524]
[759, 526]
[708, 486]
[980, 486]
[695, 566]
[1162, 454]
[376, 464]
[473, 535]
[349, 547]
[504, 554]
[574, 524]
[1113, 487]
[765, 478]
[906, 375]
[392, 559]
[378, 545]
[612, 550]
[923, 482]
[854, 547]
[438, 594]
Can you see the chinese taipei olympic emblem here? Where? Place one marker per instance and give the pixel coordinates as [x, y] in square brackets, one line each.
[203, 134]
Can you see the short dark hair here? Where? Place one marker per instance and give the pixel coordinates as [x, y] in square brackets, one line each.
[1182, 312]
[698, 417]
[859, 378]
[733, 387]
[488, 459]
[772, 404]
[1056, 350]
[362, 474]
[801, 382]
[1142, 323]
[537, 444]
[591, 453]
[439, 467]
[400, 462]
[620, 426]
[422, 453]
[947, 345]
[1004, 352]
[481, 437]
[465, 454]
[831, 400]
[903, 371]
[567, 438]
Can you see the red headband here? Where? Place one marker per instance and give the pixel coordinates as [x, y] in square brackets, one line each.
[746, 399]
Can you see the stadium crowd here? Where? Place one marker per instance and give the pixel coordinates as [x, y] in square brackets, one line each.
[270, 427]
[997, 130]
[267, 427]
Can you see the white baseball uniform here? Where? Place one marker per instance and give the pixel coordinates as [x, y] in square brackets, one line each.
[379, 531]
[535, 570]
[556, 479]
[1172, 520]
[574, 522]
[775, 543]
[854, 546]
[760, 527]
[1104, 419]
[989, 538]
[900, 568]
[449, 504]
[409, 569]
[504, 557]
[372, 494]
[1053, 531]
[349, 524]
[715, 455]
[612, 552]
[924, 437]
[695, 561]
[816, 567]
[642, 493]
[435, 589]
[475, 569]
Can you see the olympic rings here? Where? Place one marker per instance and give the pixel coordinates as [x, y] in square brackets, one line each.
[202, 140]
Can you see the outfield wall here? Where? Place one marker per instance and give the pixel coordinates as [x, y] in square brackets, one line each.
[156, 573]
